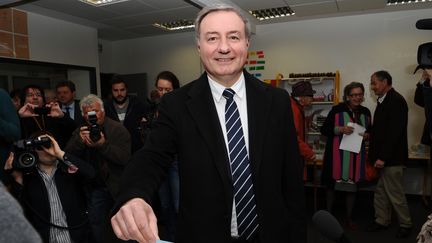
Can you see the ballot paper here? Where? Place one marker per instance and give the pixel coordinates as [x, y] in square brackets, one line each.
[353, 141]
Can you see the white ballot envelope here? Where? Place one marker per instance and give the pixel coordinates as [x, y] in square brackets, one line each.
[353, 141]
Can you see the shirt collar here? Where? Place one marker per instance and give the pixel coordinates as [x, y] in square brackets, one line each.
[381, 99]
[217, 89]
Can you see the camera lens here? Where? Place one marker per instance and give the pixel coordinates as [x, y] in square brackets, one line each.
[26, 160]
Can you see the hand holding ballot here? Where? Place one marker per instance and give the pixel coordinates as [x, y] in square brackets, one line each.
[352, 141]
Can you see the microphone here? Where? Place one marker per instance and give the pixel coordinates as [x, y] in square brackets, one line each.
[329, 227]
[424, 24]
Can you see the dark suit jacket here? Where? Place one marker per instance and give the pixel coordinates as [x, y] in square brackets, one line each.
[78, 118]
[388, 138]
[423, 98]
[188, 125]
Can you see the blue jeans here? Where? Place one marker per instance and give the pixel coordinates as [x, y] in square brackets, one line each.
[100, 202]
[169, 199]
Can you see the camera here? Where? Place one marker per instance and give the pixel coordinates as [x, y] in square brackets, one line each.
[42, 111]
[94, 128]
[25, 155]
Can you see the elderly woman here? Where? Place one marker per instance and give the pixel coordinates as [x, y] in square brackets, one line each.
[342, 169]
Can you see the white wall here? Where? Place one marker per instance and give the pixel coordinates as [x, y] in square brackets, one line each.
[57, 41]
[357, 46]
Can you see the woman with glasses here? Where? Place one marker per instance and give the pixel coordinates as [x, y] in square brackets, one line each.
[342, 169]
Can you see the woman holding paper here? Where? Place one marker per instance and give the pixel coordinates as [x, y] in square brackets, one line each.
[343, 169]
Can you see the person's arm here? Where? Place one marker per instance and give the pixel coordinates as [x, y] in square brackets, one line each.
[14, 226]
[141, 179]
[9, 121]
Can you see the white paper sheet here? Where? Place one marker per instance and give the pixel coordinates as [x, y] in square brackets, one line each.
[353, 141]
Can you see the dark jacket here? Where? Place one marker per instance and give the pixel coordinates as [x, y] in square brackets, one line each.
[423, 98]
[188, 125]
[388, 138]
[9, 128]
[78, 118]
[33, 196]
[108, 160]
[135, 112]
[60, 128]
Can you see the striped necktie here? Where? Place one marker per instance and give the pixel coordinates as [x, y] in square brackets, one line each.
[247, 221]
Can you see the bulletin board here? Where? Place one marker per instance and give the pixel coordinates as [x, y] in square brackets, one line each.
[13, 34]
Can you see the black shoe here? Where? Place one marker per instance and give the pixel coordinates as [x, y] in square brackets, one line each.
[403, 232]
[375, 227]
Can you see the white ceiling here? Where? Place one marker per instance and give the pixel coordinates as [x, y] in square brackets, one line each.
[134, 18]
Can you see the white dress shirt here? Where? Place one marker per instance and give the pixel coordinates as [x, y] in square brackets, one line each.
[239, 88]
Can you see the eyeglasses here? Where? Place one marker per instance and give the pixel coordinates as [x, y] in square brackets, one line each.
[356, 95]
[33, 95]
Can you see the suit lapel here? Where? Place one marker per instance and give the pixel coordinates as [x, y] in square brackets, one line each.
[259, 106]
[203, 111]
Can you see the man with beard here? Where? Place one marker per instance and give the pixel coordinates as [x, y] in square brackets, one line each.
[127, 110]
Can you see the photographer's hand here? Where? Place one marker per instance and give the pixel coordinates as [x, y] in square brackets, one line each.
[101, 141]
[85, 136]
[16, 174]
[56, 111]
[55, 149]
[27, 110]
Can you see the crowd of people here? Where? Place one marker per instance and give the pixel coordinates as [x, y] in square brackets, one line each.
[218, 160]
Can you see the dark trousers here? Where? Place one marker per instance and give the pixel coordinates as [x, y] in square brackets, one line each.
[100, 203]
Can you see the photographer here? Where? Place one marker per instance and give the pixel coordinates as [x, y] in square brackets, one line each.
[106, 145]
[35, 115]
[50, 189]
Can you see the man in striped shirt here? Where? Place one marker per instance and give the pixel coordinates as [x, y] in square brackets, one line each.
[51, 193]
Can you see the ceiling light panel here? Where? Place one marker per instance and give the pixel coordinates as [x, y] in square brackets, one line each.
[99, 3]
[271, 13]
[176, 25]
[401, 2]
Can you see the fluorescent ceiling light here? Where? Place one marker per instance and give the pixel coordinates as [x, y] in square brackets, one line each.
[271, 13]
[176, 25]
[98, 3]
[401, 2]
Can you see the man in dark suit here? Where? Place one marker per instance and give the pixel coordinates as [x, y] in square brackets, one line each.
[66, 97]
[388, 151]
[192, 124]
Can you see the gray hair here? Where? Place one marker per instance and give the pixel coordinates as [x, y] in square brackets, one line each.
[216, 8]
[90, 100]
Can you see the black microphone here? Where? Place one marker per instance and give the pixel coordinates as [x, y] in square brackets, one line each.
[329, 227]
[424, 24]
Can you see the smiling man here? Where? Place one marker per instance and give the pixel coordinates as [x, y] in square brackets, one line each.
[239, 163]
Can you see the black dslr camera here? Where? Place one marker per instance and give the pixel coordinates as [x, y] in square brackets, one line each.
[25, 155]
[94, 128]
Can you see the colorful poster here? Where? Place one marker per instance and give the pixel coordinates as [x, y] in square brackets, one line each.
[255, 63]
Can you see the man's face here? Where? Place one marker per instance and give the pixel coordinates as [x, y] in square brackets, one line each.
[96, 107]
[119, 92]
[223, 45]
[34, 97]
[163, 86]
[65, 96]
[378, 87]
